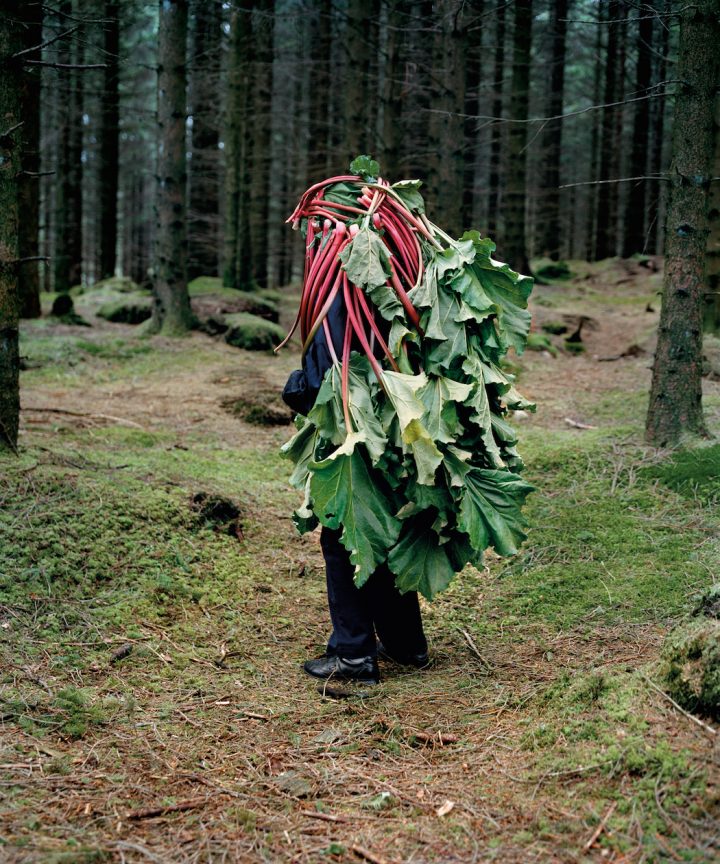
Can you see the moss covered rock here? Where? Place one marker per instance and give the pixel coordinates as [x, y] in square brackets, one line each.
[252, 332]
[129, 309]
[117, 284]
[691, 659]
[263, 407]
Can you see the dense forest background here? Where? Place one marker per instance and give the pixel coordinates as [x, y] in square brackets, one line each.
[545, 124]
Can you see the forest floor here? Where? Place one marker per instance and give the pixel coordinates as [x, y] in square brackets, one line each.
[152, 705]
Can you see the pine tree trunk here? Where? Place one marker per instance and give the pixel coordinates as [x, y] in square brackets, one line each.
[205, 82]
[446, 122]
[655, 187]
[473, 67]
[514, 246]
[319, 95]
[359, 116]
[416, 151]
[29, 181]
[392, 88]
[259, 186]
[171, 308]
[110, 142]
[606, 226]
[496, 128]
[636, 206]
[711, 317]
[676, 393]
[552, 136]
[591, 214]
[68, 187]
[10, 145]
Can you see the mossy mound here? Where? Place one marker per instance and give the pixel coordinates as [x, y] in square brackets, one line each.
[117, 284]
[130, 309]
[252, 332]
[216, 511]
[694, 473]
[549, 270]
[691, 665]
[540, 342]
[229, 301]
[261, 408]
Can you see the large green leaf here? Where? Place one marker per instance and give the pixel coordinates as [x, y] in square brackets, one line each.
[366, 260]
[424, 450]
[409, 192]
[439, 396]
[419, 561]
[509, 292]
[301, 449]
[490, 510]
[402, 391]
[345, 495]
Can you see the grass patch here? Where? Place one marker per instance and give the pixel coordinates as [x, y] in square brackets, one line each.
[693, 473]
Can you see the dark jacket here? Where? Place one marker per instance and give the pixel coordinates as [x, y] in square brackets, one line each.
[303, 384]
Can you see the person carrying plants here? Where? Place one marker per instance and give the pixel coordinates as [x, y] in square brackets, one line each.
[402, 446]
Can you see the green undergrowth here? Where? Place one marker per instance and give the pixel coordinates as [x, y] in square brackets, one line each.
[100, 549]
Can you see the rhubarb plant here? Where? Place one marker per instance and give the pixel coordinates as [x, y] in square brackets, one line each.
[408, 448]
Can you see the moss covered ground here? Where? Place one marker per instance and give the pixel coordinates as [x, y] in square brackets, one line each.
[152, 706]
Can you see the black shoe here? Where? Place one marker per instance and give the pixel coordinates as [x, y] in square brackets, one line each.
[419, 661]
[362, 669]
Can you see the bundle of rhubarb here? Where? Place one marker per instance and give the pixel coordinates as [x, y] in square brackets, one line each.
[408, 448]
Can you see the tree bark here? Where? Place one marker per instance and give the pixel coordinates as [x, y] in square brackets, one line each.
[171, 307]
[447, 138]
[497, 127]
[675, 407]
[10, 146]
[29, 181]
[634, 235]
[590, 220]
[655, 187]
[392, 89]
[606, 226]
[359, 116]
[205, 83]
[552, 136]
[68, 186]
[259, 181]
[473, 69]
[514, 247]
[110, 142]
[711, 317]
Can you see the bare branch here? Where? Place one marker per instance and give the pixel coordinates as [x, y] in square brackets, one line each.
[618, 180]
[45, 44]
[66, 65]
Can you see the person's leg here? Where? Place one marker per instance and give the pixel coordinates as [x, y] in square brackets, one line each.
[353, 633]
[396, 616]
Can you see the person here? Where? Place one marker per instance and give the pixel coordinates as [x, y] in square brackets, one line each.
[375, 620]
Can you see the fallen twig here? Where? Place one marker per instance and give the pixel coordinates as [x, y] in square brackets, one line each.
[474, 648]
[362, 852]
[687, 714]
[434, 738]
[90, 414]
[600, 828]
[576, 425]
[180, 807]
[326, 817]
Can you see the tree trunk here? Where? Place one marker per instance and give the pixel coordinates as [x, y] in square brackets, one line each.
[10, 145]
[655, 188]
[171, 307]
[606, 227]
[319, 95]
[110, 142]
[29, 181]
[68, 194]
[514, 247]
[392, 89]
[205, 83]
[676, 393]
[590, 216]
[497, 127]
[359, 115]
[446, 122]
[711, 315]
[552, 136]
[259, 181]
[473, 68]
[636, 206]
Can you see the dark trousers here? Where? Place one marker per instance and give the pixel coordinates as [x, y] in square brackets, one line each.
[357, 614]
